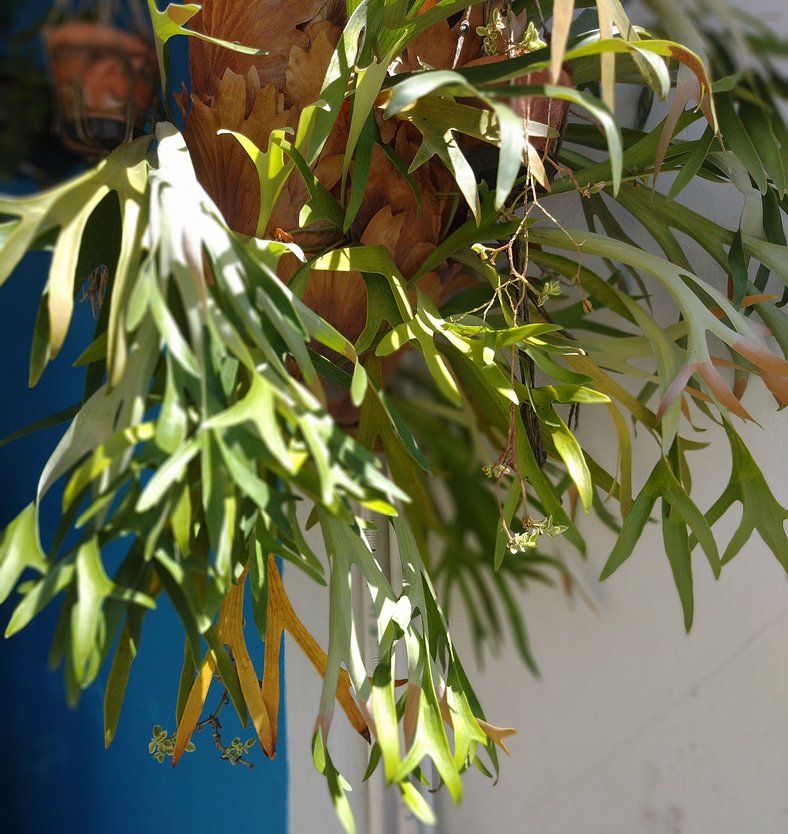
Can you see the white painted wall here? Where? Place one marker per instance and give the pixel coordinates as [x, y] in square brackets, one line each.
[634, 727]
[310, 806]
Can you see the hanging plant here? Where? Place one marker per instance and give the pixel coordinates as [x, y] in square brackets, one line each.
[104, 77]
[349, 254]
[28, 145]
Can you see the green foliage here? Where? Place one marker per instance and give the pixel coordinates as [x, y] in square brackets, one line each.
[208, 423]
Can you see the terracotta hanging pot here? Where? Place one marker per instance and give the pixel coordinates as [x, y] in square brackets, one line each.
[105, 80]
[542, 110]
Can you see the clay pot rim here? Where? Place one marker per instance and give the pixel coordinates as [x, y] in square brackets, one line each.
[92, 34]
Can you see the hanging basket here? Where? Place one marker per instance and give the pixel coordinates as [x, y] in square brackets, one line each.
[104, 79]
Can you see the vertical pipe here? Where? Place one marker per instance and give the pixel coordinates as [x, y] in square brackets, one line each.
[377, 820]
[384, 811]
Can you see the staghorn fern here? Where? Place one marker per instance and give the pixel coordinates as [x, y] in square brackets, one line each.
[330, 202]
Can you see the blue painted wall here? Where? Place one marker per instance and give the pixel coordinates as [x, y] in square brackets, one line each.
[56, 775]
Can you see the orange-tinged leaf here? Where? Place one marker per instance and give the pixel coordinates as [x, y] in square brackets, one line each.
[773, 368]
[497, 734]
[198, 694]
[722, 362]
[675, 388]
[740, 386]
[194, 707]
[685, 410]
[410, 717]
[536, 167]
[693, 84]
[693, 62]
[747, 301]
[281, 614]
[270, 686]
[713, 380]
[247, 676]
[717, 385]
[695, 394]
[686, 88]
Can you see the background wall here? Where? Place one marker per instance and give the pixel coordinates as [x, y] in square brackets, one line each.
[634, 727]
[56, 775]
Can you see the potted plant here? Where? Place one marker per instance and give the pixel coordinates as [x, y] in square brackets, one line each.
[28, 145]
[319, 213]
[104, 74]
